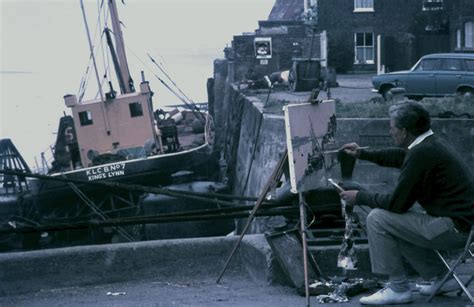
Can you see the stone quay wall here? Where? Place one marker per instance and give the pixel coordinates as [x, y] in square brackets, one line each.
[252, 141]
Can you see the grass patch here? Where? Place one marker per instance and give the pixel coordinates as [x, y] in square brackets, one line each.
[377, 108]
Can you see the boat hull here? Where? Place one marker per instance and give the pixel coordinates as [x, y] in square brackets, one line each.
[150, 171]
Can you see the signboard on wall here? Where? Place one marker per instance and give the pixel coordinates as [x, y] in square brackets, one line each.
[310, 130]
[263, 47]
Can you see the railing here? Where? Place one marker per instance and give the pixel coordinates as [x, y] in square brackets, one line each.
[44, 161]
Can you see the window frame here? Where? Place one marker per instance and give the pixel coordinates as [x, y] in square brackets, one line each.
[87, 120]
[365, 47]
[136, 109]
[434, 8]
[362, 9]
[458, 39]
[469, 37]
[444, 65]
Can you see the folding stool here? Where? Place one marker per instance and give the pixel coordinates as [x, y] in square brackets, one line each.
[466, 255]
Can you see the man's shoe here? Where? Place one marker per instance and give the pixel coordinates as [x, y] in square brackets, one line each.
[387, 296]
[449, 286]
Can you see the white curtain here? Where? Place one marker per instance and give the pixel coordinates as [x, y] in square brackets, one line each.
[469, 34]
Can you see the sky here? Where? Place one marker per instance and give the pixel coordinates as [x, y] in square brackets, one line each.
[44, 54]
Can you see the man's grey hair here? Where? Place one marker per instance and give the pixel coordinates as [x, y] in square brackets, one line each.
[410, 115]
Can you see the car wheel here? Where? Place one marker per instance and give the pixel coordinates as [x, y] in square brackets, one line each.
[467, 92]
[385, 92]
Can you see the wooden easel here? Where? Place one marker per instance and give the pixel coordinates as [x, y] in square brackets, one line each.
[302, 204]
[274, 178]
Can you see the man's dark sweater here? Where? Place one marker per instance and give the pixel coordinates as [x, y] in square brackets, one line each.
[431, 174]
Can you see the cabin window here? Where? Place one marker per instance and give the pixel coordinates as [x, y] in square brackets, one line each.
[363, 5]
[135, 109]
[85, 118]
[364, 48]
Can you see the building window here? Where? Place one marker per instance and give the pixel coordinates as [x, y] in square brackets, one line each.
[432, 5]
[458, 39]
[363, 5]
[135, 109]
[469, 34]
[85, 118]
[364, 48]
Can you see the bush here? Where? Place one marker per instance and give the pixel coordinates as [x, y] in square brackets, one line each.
[377, 108]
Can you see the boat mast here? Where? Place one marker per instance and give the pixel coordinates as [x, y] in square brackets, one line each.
[106, 119]
[110, 43]
[120, 48]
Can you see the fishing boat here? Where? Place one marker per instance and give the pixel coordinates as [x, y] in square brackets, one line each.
[117, 137]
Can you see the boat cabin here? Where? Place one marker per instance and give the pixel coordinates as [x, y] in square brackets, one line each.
[121, 125]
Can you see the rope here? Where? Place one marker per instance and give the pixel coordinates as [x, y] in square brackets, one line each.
[190, 103]
[192, 106]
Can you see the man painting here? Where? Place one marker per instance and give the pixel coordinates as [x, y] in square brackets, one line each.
[432, 175]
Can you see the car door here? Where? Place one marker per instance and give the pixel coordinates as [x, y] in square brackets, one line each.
[468, 78]
[422, 78]
[449, 77]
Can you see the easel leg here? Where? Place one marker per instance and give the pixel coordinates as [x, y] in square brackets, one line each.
[276, 175]
[305, 245]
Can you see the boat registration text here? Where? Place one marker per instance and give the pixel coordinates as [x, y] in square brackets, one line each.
[104, 172]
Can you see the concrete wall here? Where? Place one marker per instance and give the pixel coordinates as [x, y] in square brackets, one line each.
[165, 260]
[255, 141]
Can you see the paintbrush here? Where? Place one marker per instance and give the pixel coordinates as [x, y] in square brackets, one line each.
[337, 150]
[338, 187]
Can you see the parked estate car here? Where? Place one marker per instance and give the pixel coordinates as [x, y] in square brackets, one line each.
[437, 74]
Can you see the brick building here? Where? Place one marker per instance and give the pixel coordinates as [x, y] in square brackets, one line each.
[371, 35]
[282, 39]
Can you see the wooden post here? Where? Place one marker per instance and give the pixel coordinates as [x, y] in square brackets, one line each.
[305, 245]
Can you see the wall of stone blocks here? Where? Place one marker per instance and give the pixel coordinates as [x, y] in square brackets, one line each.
[256, 141]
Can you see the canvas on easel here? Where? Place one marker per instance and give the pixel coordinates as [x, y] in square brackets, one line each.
[310, 130]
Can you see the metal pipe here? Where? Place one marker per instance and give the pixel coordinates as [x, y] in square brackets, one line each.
[102, 100]
[145, 220]
[129, 187]
[124, 71]
[302, 210]
[110, 43]
[221, 211]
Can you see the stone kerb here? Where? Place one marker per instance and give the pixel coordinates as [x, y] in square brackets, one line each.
[163, 260]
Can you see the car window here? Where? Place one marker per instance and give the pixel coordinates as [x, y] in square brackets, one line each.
[452, 64]
[469, 65]
[428, 64]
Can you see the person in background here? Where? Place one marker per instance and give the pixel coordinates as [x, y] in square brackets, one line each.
[435, 177]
